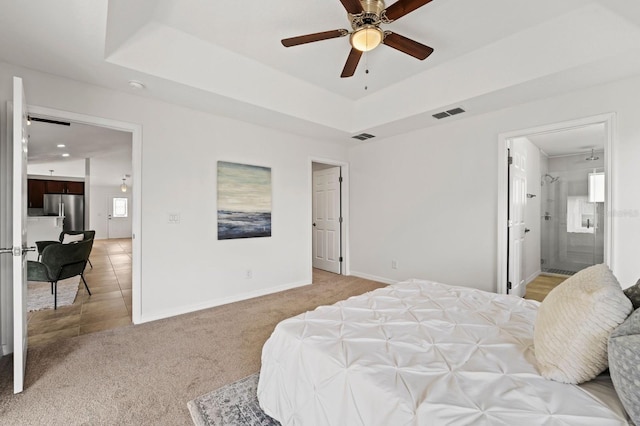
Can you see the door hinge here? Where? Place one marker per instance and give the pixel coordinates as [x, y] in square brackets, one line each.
[340, 259]
[340, 179]
[509, 285]
[510, 160]
[340, 219]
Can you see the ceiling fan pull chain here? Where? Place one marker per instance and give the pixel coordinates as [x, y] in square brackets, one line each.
[366, 70]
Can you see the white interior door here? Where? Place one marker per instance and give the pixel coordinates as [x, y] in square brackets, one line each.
[20, 141]
[118, 217]
[326, 220]
[517, 228]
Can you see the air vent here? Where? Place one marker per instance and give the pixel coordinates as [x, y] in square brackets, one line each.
[363, 136]
[448, 113]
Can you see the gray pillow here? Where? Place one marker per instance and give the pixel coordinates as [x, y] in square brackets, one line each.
[624, 364]
[633, 293]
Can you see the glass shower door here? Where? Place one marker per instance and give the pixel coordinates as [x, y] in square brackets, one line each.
[572, 222]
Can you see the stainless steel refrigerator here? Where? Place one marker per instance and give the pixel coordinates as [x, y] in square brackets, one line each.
[68, 205]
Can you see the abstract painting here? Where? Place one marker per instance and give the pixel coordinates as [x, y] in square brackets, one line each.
[244, 201]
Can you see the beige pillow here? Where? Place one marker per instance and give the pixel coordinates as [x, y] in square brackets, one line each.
[69, 238]
[574, 322]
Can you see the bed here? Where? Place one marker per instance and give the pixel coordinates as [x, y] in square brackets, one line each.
[422, 353]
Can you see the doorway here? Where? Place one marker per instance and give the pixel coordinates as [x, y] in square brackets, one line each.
[565, 202]
[328, 216]
[98, 157]
[134, 182]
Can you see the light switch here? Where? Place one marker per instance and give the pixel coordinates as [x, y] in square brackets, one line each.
[174, 218]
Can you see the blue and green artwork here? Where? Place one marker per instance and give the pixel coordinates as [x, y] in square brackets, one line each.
[244, 201]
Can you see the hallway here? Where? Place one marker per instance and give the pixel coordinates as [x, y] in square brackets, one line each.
[108, 307]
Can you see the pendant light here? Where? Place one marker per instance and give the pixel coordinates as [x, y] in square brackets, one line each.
[123, 187]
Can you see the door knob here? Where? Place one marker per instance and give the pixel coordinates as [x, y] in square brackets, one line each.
[526, 230]
[314, 224]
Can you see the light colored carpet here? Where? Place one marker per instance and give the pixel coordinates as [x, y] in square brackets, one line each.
[39, 294]
[146, 374]
[233, 404]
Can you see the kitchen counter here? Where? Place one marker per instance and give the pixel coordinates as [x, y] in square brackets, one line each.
[42, 228]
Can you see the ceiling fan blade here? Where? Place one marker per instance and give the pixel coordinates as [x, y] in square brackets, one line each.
[352, 63]
[352, 6]
[309, 38]
[402, 7]
[406, 45]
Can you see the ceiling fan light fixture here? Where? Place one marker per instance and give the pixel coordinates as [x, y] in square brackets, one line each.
[366, 38]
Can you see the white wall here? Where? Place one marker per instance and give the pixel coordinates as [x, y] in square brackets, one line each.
[74, 168]
[429, 198]
[184, 266]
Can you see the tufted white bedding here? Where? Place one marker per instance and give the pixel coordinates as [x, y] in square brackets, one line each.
[421, 353]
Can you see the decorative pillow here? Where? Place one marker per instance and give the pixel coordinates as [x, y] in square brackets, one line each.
[633, 293]
[69, 238]
[574, 322]
[624, 364]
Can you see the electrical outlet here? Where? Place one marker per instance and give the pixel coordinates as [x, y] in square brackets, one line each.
[248, 274]
[174, 218]
[394, 264]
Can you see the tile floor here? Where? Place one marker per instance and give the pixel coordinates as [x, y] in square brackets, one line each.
[108, 307]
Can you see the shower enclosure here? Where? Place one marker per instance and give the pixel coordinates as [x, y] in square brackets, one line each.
[572, 210]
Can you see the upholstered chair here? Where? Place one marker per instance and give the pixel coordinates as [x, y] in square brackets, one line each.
[58, 262]
[66, 237]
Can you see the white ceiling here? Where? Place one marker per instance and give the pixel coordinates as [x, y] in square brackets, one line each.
[109, 150]
[226, 57]
[571, 141]
[81, 141]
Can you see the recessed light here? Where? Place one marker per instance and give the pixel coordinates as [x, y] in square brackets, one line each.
[61, 145]
[138, 85]
[65, 155]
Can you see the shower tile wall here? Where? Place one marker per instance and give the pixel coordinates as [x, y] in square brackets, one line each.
[562, 250]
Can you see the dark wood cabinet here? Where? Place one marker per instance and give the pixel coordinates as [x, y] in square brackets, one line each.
[75, 188]
[55, 186]
[36, 188]
[35, 193]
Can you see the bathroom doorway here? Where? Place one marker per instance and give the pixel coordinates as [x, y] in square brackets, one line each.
[568, 193]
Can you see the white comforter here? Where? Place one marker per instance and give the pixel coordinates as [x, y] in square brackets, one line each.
[421, 353]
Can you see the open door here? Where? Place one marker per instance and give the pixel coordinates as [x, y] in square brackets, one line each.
[20, 141]
[327, 220]
[516, 219]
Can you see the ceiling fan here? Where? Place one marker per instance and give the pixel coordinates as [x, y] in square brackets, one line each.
[365, 17]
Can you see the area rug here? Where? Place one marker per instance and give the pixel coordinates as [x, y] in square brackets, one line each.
[39, 294]
[233, 404]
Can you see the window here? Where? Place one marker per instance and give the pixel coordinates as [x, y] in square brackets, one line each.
[120, 207]
[596, 187]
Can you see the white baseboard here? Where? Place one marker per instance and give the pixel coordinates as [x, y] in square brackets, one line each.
[218, 302]
[373, 277]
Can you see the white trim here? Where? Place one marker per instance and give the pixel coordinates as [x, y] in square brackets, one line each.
[373, 277]
[6, 226]
[345, 210]
[532, 277]
[136, 160]
[222, 301]
[609, 120]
